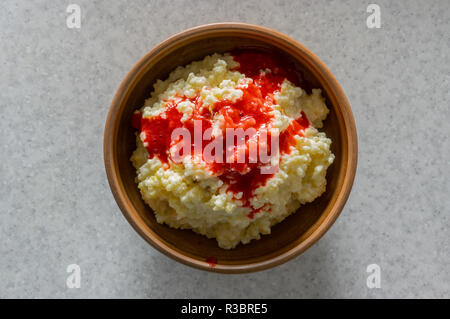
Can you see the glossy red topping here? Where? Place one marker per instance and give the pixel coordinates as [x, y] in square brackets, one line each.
[251, 62]
[253, 110]
[287, 137]
[158, 131]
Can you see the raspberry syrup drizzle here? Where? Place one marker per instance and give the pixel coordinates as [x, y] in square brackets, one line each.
[252, 110]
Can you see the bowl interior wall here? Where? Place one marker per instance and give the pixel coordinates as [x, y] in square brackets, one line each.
[285, 235]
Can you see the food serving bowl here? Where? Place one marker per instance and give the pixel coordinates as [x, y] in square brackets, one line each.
[294, 234]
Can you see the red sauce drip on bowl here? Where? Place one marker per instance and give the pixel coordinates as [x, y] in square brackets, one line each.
[212, 261]
[252, 110]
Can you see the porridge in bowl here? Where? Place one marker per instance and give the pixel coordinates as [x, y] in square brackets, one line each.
[229, 146]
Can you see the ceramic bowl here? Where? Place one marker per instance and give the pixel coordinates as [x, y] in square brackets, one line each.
[288, 238]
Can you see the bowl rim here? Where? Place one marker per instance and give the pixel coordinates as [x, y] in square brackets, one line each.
[117, 187]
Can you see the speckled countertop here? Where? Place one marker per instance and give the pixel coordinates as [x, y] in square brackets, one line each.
[56, 208]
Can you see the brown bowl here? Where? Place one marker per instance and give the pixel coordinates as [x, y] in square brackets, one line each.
[290, 237]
